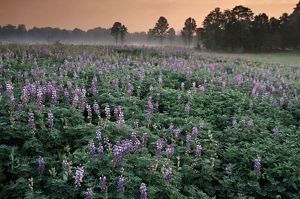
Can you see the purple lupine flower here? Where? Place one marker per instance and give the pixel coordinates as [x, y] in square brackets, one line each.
[118, 154]
[171, 127]
[126, 146]
[96, 108]
[98, 134]
[194, 132]
[116, 112]
[89, 193]
[102, 184]
[66, 95]
[257, 165]
[100, 152]
[89, 112]
[25, 95]
[31, 119]
[188, 143]
[107, 112]
[159, 146]
[169, 151]
[20, 107]
[92, 149]
[167, 173]
[10, 92]
[150, 108]
[75, 99]
[94, 86]
[176, 133]
[228, 170]
[198, 150]
[41, 165]
[129, 89]
[143, 191]
[135, 143]
[50, 119]
[40, 97]
[54, 97]
[79, 174]
[121, 184]
[121, 119]
[187, 108]
[107, 143]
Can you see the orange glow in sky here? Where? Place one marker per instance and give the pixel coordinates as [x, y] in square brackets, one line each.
[137, 15]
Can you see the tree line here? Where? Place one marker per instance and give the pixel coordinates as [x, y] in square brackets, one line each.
[239, 28]
[235, 29]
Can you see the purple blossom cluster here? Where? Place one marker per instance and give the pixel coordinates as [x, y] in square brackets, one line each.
[79, 174]
[257, 165]
[89, 193]
[198, 150]
[92, 149]
[150, 108]
[50, 119]
[41, 165]
[121, 184]
[169, 151]
[159, 146]
[31, 119]
[168, 175]
[102, 184]
[143, 191]
[228, 170]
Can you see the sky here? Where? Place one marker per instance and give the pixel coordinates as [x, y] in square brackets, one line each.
[137, 15]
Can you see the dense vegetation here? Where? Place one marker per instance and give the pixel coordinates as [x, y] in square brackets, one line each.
[112, 122]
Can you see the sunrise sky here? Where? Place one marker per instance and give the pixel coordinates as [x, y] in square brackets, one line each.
[137, 15]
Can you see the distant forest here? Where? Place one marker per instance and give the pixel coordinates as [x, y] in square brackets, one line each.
[237, 29]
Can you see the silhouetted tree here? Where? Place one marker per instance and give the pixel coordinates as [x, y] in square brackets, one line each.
[171, 35]
[160, 29]
[286, 31]
[260, 31]
[295, 23]
[213, 28]
[274, 36]
[116, 31]
[241, 24]
[123, 32]
[188, 30]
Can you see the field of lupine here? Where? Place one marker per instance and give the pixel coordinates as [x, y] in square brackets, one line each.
[127, 122]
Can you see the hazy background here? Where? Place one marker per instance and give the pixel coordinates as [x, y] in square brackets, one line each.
[137, 15]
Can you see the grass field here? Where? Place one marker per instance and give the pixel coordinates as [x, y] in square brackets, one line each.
[279, 58]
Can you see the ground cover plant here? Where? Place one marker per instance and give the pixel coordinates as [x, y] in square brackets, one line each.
[129, 122]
